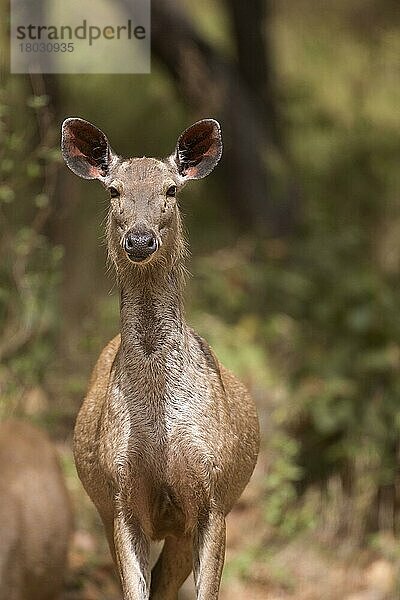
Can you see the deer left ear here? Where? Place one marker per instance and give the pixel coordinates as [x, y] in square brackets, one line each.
[198, 149]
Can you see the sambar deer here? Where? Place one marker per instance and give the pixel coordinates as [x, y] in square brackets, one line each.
[35, 515]
[167, 438]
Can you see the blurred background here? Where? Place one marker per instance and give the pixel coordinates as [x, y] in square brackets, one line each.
[295, 256]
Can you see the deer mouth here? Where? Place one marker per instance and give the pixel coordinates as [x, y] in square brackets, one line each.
[139, 260]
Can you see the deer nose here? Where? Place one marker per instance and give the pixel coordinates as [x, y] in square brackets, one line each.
[139, 245]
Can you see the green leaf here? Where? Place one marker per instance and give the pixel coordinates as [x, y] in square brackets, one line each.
[7, 194]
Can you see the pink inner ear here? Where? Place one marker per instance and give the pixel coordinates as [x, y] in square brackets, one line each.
[191, 172]
[74, 150]
[213, 149]
[94, 172]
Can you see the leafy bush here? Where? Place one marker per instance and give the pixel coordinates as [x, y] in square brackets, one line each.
[30, 265]
[323, 308]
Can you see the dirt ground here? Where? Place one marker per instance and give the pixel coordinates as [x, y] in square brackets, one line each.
[300, 570]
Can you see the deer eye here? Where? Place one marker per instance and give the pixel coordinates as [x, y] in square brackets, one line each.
[114, 193]
[171, 191]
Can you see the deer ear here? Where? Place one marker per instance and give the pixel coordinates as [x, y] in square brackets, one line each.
[198, 149]
[85, 149]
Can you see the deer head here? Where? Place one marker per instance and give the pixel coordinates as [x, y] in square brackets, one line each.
[144, 218]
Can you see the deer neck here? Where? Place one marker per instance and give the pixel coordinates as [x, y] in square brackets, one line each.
[152, 342]
[152, 314]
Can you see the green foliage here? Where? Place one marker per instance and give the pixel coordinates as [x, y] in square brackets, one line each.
[323, 305]
[309, 322]
[242, 564]
[30, 265]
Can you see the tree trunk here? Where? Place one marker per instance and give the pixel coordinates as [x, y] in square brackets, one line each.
[235, 93]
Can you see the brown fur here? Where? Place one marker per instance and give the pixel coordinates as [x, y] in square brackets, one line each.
[35, 515]
[167, 438]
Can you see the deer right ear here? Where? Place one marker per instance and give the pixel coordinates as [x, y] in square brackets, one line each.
[85, 149]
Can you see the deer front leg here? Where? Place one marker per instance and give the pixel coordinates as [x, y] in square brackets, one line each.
[208, 556]
[132, 549]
